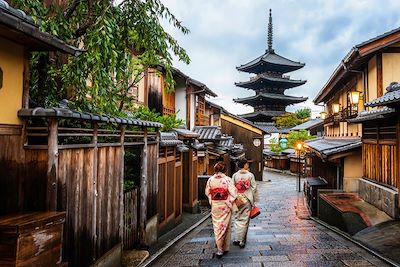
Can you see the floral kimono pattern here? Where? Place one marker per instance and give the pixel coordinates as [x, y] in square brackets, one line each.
[246, 186]
[221, 193]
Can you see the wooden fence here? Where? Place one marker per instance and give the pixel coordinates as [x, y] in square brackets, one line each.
[78, 169]
[130, 237]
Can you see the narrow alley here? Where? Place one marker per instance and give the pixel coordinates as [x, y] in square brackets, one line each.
[278, 237]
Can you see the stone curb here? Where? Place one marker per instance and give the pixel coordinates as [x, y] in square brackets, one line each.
[150, 260]
[343, 234]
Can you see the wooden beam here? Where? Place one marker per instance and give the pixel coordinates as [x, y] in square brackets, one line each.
[26, 76]
[52, 166]
[380, 43]
[379, 75]
[95, 159]
[143, 192]
[121, 184]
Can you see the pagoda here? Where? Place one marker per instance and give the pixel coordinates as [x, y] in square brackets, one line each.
[269, 83]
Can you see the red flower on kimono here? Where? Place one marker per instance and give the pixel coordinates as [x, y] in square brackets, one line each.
[242, 185]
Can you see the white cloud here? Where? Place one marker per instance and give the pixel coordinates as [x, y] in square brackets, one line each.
[228, 33]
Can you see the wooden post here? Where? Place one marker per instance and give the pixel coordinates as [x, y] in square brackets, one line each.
[52, 166]
[379, 75]
[121, 191]
[26, 76]
[95, 159]
[143, 191]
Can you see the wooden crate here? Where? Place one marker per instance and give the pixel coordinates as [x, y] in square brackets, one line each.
[31, 239]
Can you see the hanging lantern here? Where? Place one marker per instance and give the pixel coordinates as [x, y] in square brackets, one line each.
[323, 115]
[354, 97]
[336, 108]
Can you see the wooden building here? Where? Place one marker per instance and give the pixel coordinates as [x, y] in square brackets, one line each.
[243, 132]
[57, 162]
[381, 151]
[360, 78]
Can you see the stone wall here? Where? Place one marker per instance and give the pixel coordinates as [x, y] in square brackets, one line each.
[382, 197]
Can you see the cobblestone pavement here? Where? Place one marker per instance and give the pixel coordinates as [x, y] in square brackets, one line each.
[277, 237]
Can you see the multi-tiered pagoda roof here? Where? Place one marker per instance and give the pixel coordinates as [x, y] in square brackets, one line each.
[269, 83]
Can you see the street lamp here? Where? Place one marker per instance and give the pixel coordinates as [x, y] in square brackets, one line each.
[299, 148]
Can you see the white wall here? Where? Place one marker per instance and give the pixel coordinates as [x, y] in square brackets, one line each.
[268, 137]
[180, 102]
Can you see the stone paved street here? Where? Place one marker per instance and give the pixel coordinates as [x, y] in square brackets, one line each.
[276, 238]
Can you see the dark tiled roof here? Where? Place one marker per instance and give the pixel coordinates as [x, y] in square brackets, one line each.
[263, 81]
[284, 130]
[374, 114]
[185, 133]
[268, 127]
[73, 114]
[266, 97]
[262, 114]
[226, 141]
[308, 124]
[329, 146]
[169, 139]
[19, 27]
[194, 82]
[182, 148]
[208, 132]
[391, 97]
[270, 61]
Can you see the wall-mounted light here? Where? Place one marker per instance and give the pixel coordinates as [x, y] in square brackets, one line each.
[336, 108]
[323, 115]
[354, 97]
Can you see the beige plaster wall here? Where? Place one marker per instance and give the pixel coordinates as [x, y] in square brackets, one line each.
[352, 172]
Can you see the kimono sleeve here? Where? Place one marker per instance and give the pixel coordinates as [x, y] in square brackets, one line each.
[207, 190]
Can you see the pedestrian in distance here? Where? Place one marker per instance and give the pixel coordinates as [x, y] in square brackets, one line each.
[221, 194]
[246, 186]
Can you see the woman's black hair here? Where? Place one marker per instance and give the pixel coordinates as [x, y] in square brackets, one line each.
[242, 162]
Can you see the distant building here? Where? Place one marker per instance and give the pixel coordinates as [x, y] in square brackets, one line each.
[313, 126]
[269, 84]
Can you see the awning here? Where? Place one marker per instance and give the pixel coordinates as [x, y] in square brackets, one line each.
[374, 114]
[169, 139]
[332, 147]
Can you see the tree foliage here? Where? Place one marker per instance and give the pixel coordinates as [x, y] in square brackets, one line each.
[287, 120]
[295, 137]
[120, 41]
[169, 121]
[292, 119]
[303, 113]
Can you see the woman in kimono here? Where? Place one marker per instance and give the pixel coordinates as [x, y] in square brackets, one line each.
[221, 194]
[245, 184]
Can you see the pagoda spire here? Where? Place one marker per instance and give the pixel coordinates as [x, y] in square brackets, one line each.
[270, 32]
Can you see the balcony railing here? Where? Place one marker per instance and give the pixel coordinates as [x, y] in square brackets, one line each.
[343, 115]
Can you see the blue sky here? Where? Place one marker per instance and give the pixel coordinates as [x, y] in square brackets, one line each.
[227, 33]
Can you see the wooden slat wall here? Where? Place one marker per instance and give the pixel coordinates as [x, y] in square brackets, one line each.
[170, 188]
[152, 189]
[130, 237]
[380, 163]
[22, 174]
[86, 240]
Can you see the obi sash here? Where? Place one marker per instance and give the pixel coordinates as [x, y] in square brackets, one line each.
[242, 185]
[219, 193]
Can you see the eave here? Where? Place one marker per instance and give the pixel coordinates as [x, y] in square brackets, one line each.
[268, 97]
[263, 81]
[270, 61]
[19, 28]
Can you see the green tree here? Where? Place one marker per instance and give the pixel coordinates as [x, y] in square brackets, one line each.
[287, 120]
[120, 41]
[303, 113]
[295, 137]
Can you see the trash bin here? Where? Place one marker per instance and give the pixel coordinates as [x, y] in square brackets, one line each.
[31, 239]
[311, 186]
